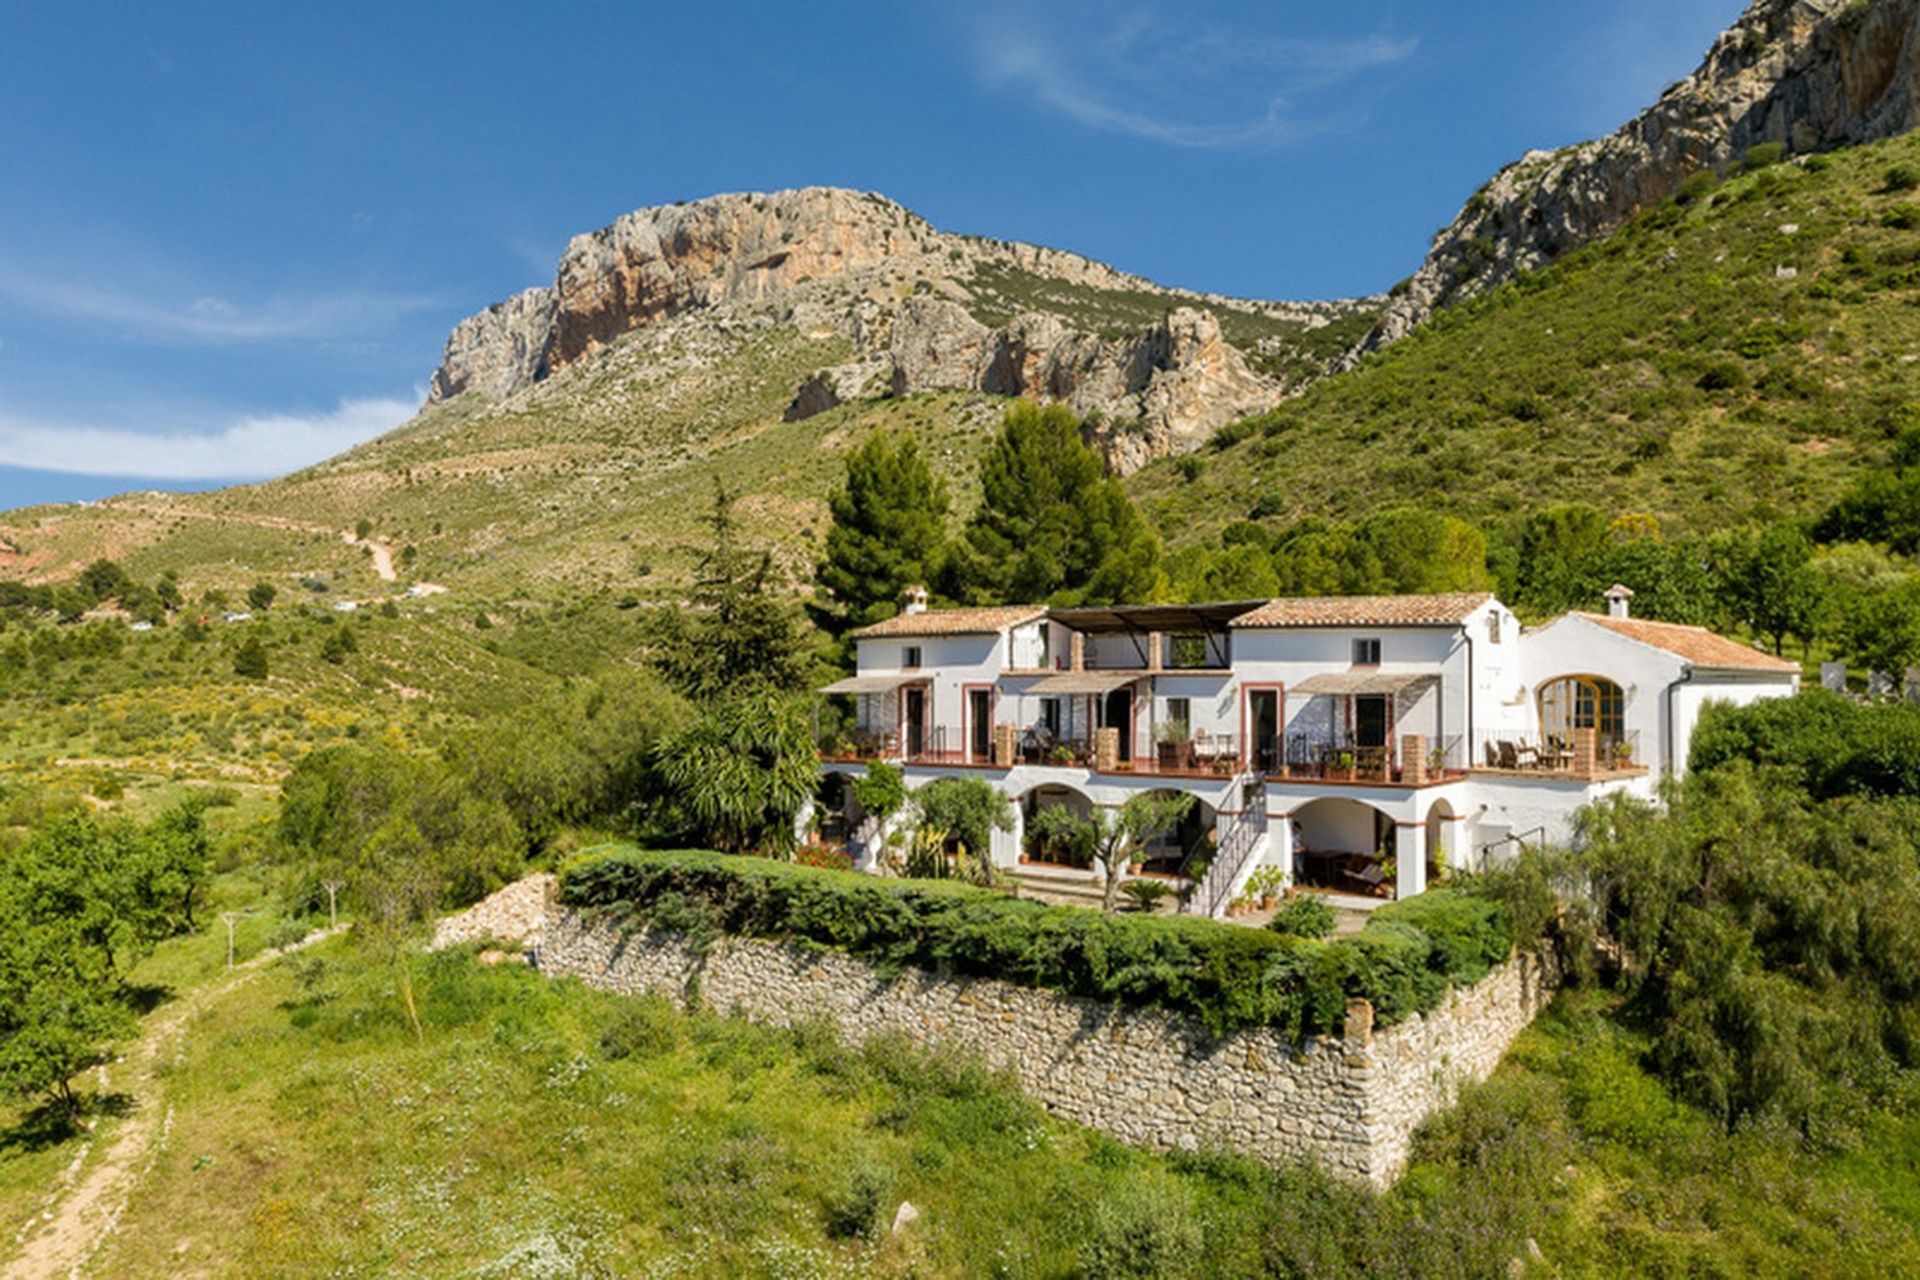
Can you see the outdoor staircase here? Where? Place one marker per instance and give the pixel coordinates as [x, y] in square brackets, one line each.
[1241, 849]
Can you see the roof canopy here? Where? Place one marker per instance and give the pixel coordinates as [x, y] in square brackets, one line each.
[1140, 618]
[1344, 682]
[1083, 682]
[872, 684]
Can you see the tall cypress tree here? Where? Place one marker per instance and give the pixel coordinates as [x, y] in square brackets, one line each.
[889, 531]
[1052, 526]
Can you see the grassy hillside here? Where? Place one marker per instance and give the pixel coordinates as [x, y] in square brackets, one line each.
[540, 1129]
[598, 478]
[1732, 358]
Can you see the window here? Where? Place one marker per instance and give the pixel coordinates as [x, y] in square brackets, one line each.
[1187, 651]
[1493, 627]
[1366, 653]
[1180, 712]
[1050, 715]
[910, 658]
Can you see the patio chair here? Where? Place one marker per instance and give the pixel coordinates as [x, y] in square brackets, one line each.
[1493, 755]
[1509, 755]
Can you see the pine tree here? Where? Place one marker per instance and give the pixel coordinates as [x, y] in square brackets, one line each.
[739, 634]
[888, 532]
[1052, 525]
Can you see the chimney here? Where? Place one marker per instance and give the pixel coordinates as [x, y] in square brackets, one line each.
[1617, 598]
[917, 600]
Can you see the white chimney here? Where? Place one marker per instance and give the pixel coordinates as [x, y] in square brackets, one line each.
[1617, 601]
[916, 600]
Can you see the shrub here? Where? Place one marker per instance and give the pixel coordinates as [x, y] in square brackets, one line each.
[1696, 187]
[1904, 176]
[1141, 1231]
[1305, 915]
[1223, 975]
[857, 1197]
[1901, 217]
[1146, 893]
[642, 1027]
[1763, 155]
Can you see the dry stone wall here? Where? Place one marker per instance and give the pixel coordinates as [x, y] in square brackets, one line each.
[1144, 1076]
[517, 913]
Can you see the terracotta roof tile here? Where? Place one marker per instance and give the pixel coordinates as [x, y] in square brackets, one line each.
[1365, 611]
[1697, 645]
[952, 622]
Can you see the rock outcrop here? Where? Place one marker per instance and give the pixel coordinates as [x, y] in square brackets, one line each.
[910, 300]
[1156, 393]
[498, 351]
[1808, 74]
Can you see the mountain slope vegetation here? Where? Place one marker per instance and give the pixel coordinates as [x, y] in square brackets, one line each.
[1735, 355]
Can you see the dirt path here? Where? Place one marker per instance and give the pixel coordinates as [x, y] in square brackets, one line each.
[382, 553]
[82, 1213]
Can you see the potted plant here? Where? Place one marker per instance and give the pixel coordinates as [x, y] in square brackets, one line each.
[1060, 753]
[1622, 755]
[1343, 765]
[1173, 743]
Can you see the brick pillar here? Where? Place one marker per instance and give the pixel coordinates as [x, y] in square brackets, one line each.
[1156, 641]
[1413, 759]
[1006, 740]
[1106, 750]
[1586, 752]
[1077, 652]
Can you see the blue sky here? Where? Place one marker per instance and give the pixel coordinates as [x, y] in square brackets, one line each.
[233, 236]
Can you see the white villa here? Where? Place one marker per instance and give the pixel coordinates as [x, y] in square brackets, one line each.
[1356, 742]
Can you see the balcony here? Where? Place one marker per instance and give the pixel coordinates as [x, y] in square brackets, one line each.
[1312, 759]
[1582, 753]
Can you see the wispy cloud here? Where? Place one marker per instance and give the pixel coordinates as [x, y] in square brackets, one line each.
[248, 448]
[193, 316]
[1175, 81]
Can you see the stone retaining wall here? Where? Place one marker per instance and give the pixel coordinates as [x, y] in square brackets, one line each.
[1144, 1076]
[516, 913]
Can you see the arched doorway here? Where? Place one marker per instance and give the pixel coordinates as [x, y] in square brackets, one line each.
[1195, 834]
[1439, 842]
[1051, 840]
[1345, 844]
[1582, 702]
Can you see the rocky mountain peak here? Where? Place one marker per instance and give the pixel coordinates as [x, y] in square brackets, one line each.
[1807, 74]
[924, 309]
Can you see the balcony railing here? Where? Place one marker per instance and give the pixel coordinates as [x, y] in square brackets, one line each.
[1203, 755]
[1306, 757]
[1557, 754]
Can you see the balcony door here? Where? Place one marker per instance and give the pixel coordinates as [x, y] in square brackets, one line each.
[1119, 715]
[980, 723]
[1263, 730]
[1370, 720]
[914, 712]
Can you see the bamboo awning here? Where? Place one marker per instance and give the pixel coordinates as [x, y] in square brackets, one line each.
[1398, 683]
[1083, 682]
[872, 684]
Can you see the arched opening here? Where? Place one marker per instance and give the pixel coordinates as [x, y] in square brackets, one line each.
[1193, 836]
[1582, 702]
[1344, 844]
[836, 813]
[1052, 840]
[1439, 842]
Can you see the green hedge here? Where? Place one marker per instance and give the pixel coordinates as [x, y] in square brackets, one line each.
[1224, 975]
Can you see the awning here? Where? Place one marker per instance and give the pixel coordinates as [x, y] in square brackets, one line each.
[872, 684]
[1348, 682]
[1083, 682]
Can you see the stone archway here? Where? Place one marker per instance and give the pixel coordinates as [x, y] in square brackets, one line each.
[1342, 843]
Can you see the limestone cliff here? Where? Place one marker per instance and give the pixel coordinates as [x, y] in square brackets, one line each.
[1808, 74]
[924, 309]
